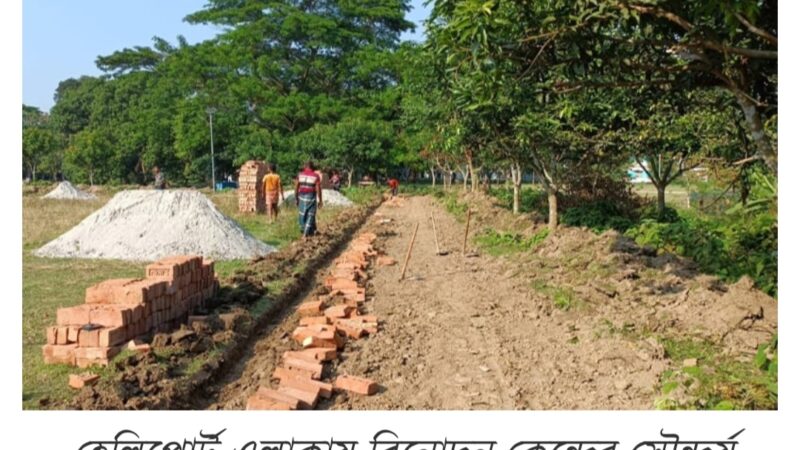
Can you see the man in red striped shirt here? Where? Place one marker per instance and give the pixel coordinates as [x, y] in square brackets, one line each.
[308, 197]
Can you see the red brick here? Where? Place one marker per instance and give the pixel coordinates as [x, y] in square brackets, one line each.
[79, 381]
[301, 333]
[338, 311]
[89, 338]
[312, 308]
[59, 354]
[62, 337]
[314, 354]
[386, 261]
[356, 385]
[52, 335]
[106, 291]
[110, 315]
[110, 337]
[308, 400]
[340, 284]
[312, 320]
[75, 315]
[92, 356]
[301, 364]
[138, 347]
[259, 403]
[72, 334]
[350, 331]
[319, 388]
[289, 400]
[281, 372]
[314, 342]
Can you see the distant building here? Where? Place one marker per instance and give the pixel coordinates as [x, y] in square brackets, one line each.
[637, 175]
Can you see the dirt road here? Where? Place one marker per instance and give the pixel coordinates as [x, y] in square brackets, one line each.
[462, 333]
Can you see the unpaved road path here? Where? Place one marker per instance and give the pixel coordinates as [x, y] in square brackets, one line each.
[462, 333]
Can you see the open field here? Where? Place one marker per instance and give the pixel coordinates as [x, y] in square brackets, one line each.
[52, 283]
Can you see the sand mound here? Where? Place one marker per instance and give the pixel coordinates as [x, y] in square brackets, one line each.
[145, 225]
[329, 198]
[66, 191]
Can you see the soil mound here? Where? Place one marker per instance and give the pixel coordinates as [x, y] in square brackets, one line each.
[145, 225]
[329, 198]
[66, 191]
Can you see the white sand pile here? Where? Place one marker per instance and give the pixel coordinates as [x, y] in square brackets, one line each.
[66, 191]
[329, 198]
[146, 225]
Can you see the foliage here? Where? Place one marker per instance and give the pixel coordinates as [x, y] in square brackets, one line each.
[598, 216]
[718, 381]
[728, 246]
[498, 243]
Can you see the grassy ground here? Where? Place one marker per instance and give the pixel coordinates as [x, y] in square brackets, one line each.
[48, 284]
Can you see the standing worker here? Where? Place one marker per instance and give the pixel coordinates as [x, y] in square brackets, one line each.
[273, 191]
[393, 185]
[160, 181]
[308, 197]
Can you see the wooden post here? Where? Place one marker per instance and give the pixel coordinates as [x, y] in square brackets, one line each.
[466, 232]
[408, 253]
[435, 236]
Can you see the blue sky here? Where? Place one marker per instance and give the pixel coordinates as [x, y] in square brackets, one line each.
[62, 39]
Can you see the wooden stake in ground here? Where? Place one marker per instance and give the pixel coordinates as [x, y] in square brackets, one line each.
[408, 253]
[436, 237]
[466, 232]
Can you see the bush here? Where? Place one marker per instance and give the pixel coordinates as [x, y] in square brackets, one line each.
[530, 200]
[728, 246]
[598, 217]
[669, 215]
[497, 243]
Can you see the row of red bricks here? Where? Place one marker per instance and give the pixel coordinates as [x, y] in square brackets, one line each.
[119, 310]
[325, 326]
[251, 197]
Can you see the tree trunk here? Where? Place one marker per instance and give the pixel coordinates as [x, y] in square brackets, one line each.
[433, 177]
[33, 172]
[516, 179]
[661, 201]
[754, 122]
[91, 177]
[349, 178]
[552, 205]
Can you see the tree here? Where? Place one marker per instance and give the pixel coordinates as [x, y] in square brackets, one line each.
[674, 132]
[38, 144]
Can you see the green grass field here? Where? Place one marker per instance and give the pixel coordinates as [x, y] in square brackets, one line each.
[48, 284]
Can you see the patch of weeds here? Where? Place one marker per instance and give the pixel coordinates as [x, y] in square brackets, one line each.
[627, 330]
[564, 298]
[498, 243]
[717, 381]
[453, 206]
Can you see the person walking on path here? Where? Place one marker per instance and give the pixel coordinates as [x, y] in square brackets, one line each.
[336, 181]
[160, 181]
[308, 197]
[393, 185]
[273, 191]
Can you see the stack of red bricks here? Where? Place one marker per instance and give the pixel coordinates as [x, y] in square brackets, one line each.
[117, 311]
[252, 197]
[325, 326]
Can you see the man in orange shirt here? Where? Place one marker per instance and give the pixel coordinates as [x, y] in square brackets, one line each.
[393, 185]
[273, 191]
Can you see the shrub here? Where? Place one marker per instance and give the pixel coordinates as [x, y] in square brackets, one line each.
[598, 217]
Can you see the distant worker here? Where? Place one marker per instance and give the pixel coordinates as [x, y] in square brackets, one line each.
[273, 191]
[393, 185]
[160, 181]
[336, 181]
[308, 197]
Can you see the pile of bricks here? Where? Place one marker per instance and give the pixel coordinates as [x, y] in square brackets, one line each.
[251, 194]
[120, 310]
[325, 325]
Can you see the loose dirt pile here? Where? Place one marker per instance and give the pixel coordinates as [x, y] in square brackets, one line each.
[146, 225]
[66, 191]
[329, 198]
